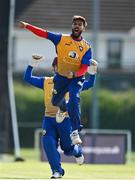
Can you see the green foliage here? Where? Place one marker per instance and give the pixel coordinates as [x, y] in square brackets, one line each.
[29, 101]
[117, 109]
[86, 106]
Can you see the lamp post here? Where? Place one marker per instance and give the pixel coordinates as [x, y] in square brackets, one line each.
[95, 103]
[10, 84]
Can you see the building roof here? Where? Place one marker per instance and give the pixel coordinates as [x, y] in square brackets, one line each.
[115, 15]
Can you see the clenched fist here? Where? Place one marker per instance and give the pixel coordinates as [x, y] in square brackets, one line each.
[93, 67]
[36, 59]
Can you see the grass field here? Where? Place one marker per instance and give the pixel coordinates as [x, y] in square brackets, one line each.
[32, 169]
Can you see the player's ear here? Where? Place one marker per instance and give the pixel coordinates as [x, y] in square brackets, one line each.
[84, 29]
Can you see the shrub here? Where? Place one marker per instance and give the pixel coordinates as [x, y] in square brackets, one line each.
[116, 109]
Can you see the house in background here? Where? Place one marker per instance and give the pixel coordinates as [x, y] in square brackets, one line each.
[116, 39]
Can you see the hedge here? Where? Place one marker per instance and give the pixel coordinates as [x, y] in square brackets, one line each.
[116, 109]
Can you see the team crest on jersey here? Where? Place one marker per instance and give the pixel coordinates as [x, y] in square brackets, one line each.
[73, 54]
[81, 48]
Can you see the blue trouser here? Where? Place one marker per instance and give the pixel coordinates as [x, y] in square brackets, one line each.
[55, 132]
[62, 85]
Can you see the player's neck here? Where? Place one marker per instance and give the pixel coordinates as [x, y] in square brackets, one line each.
[76, 38]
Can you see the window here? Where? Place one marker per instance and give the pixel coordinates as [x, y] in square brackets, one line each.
[114, 53]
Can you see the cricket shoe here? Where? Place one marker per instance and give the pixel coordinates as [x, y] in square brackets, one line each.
[57, 175]
[75, 137]
[80, 159]
[60, 116]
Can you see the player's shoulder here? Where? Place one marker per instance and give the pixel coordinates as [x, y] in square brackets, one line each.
[51, 33]
[87, 43]
[66, 35]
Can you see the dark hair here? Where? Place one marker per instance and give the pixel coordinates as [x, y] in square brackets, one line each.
[54, 63]
[76, 17]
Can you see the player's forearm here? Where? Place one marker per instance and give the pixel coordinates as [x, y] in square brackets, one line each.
[89, 83]
[82, 71]
[54, 37]
[33, 80]
[36, 30]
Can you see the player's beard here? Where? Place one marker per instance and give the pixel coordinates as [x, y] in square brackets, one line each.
[76, 35]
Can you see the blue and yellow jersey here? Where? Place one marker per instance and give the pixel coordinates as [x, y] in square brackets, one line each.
[46, 84]
[50, 110]
[71, 53]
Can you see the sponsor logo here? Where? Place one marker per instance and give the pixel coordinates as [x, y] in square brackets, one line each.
[98, 150]
[101, 150]
[73, 54]
[67, 44]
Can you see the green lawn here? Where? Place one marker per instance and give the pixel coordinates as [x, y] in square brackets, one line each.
[34, 170]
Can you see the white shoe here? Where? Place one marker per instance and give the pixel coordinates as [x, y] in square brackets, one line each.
[60, 116]
[80, 160]
[75, 137]
[56, 175]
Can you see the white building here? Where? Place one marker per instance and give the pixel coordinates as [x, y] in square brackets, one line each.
[116, 39]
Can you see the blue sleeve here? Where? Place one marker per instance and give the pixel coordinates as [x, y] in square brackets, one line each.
[33, 80]
[54, 37]
[89, 83]
[87, 57]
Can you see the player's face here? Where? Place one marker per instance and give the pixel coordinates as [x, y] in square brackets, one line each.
[77, 28]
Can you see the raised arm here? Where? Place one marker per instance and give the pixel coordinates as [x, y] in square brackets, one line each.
[34, 80]
[54, 37]
[89, 83]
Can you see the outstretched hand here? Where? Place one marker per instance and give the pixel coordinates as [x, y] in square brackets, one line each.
[22, 24]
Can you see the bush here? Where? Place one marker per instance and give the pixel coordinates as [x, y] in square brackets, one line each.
[116, 109]
[29, 101]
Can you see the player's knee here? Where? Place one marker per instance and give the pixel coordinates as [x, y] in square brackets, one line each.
[48, 141]
[68, 151]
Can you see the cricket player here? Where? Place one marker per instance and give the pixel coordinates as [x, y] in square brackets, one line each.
[54, 132]
[74, 56]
